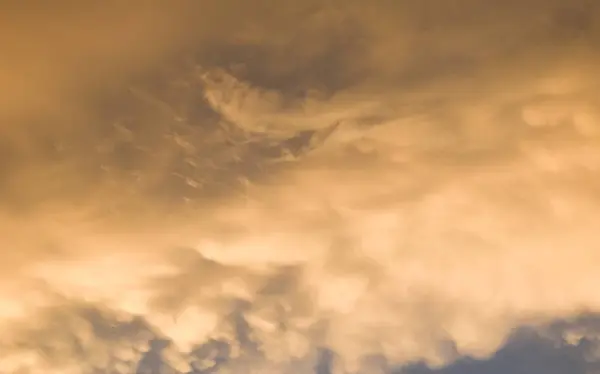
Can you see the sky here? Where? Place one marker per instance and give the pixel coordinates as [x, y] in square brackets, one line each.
[318, 186]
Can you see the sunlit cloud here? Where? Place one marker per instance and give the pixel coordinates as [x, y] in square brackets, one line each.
[318, 187]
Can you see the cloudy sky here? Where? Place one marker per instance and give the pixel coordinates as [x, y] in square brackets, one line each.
[317, 186]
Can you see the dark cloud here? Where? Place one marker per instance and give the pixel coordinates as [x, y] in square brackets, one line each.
[563, 346]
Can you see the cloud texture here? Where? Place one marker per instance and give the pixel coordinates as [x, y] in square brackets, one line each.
[317, 186]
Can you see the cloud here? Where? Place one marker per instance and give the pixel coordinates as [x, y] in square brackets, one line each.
[387, 182]
[86, 337]
[559, 347]
[76, 336]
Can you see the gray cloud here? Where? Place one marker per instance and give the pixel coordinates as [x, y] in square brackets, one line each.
[564, 346]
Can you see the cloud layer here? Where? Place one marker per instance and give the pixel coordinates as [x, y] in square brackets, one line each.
[317, 187]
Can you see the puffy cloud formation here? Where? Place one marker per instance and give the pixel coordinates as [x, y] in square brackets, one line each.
[317, 186]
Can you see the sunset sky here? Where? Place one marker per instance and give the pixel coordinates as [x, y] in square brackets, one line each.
[316, 186]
